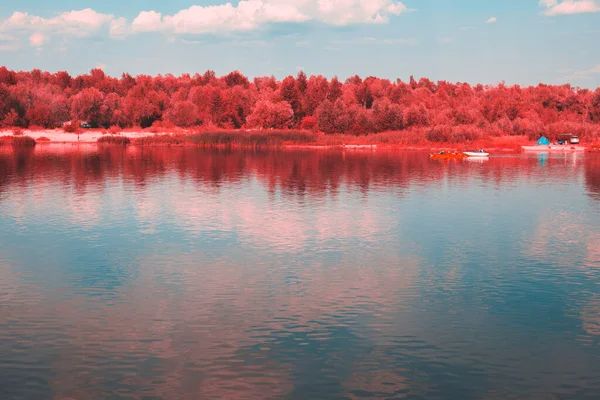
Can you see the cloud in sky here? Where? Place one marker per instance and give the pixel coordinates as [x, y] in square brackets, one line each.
[585, 74]
[251, 14]
[556, 7]
[37, 39]
[8, 43]
[79, 23]
[226, 18]
[492, 20]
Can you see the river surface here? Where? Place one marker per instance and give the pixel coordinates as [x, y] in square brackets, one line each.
[183, 273]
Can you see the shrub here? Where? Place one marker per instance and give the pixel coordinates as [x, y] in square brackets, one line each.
[309, 123]
[160, 140]
[115, 129]
[120, 140]
[23, 141]
[42, 139]
[17, 131]
[439, 133]
[72, 127]
[465, 133]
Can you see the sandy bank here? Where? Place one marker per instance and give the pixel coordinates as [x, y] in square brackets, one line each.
[60, 136]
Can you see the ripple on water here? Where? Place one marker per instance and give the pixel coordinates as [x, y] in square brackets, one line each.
[190, 273]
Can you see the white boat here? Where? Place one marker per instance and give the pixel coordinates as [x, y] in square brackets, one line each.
[554, 148]
[476, 154]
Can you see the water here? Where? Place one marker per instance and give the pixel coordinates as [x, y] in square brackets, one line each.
[197, 274]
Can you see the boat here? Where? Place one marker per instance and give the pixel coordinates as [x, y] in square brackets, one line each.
[446, 156]
[478, 154]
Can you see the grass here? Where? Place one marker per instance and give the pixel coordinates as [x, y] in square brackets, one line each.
[275, 138]
[111, 139]
[161, 140]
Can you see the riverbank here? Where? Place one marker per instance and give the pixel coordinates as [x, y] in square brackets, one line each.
[408, 140]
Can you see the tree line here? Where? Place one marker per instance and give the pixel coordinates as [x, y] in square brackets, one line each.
[443, 111]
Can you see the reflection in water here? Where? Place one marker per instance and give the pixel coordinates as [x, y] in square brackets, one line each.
[190, 273]
[542, 158]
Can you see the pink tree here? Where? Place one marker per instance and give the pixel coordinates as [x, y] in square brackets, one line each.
[87, 106]
[271, 115]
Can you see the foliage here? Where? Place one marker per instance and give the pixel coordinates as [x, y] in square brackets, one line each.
[111, 139]
[72, 127]
[23, 141]
[437, 110]
[230, 138]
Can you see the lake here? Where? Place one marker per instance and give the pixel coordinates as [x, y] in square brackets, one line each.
[185, 273]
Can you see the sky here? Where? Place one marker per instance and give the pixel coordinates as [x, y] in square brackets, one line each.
[513, 41]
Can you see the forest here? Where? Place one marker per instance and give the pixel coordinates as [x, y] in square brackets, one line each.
[437, 111]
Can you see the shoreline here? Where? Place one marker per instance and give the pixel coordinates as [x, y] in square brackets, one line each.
[502, 144]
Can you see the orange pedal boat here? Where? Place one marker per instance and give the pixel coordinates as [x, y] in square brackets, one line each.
[447, 156]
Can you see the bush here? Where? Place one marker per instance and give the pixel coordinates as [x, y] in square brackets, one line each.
[309, 123]
[42, 139]
[17, 131]
[439, 133]
[120, 140]
[465, 133]
[160, 140]
[23, 141]
[115, 129]
[72, 127]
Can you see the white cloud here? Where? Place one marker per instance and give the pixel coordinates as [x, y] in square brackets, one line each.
[585, 74]
[492, 20]
[446, 40]
[246, 15]
[8, 43]
[147, 21]
[78, 23]
[251, 14]
[556, 7]
[118, 28]
[37, 39]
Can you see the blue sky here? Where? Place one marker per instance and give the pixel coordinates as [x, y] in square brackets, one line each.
[516, 41]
